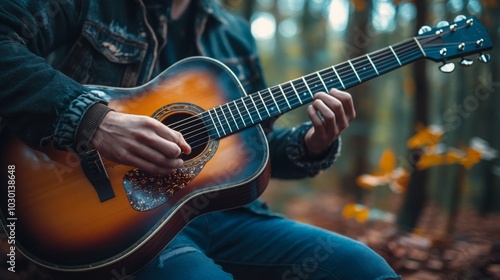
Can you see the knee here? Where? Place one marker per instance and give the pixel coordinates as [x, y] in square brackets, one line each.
[184, 262]
[350, 259]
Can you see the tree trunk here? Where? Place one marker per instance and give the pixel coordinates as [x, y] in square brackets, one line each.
[416, 195]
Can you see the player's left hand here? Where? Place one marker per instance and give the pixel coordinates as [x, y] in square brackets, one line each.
[330, 115]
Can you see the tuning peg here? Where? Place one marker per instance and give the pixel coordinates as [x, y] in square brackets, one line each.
[447, 67]
[484, 58]
[424, 29]
[466, 62]
[443, 23]
[459, 18]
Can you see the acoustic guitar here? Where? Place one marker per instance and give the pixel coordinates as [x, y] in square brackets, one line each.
[55, 214]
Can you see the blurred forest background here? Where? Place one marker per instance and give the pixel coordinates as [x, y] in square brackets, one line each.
[419, 170]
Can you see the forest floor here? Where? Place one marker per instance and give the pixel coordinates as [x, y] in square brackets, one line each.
[470, 250]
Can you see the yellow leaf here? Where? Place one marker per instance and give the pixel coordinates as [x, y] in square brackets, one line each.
[349, 210]
[472, 156]
[362, 215]
[453, 156]
[370, 181]
[400, 180]
[428, 160]
[359, 212]
[387, 162]
[429, 136]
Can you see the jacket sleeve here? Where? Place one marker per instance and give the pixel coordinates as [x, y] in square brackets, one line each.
[289, 159]
[38, 103]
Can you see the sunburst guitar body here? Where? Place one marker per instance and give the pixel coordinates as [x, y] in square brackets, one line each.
[60, 222]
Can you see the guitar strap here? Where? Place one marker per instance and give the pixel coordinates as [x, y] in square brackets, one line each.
[2, 125]
[94, 170]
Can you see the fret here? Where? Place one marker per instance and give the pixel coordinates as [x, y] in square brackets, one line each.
[329, 79]
[254, 112]
[338, 77]
[349, 75]
[272, 95]
[284, 95]
[354, 69]
[364, 68]
[374, 67]
[307, 86]
[300, 91]
[390, 47]
[407, 51]
[214, 123]
[221, 122]
[265, 105]
[248, 111]
[319, 76]
[256, 107]
[296, 92]
[232, 116]
[239, 113]
[420, 47]
[384, 60]
[291, 94]
[230, 128]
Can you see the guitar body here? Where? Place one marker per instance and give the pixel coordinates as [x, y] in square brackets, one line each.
[61, 224]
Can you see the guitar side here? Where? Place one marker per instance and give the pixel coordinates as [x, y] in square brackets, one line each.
[63, 226]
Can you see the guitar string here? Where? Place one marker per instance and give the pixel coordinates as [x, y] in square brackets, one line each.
[371, 55]
[278, 96]
[202, 141]
[282, 97]
[295, 102]
[402, 57]
[343, 67]
[302, 87]
[206, 131]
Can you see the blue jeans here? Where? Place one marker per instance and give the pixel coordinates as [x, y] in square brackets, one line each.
[253, 243]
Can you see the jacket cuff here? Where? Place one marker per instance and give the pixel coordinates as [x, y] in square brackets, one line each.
[297, 153]
[73, 122]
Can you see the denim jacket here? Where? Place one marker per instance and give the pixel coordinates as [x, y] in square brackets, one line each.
[51, 47]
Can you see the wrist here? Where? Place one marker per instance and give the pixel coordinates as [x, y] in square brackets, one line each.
[315, 149]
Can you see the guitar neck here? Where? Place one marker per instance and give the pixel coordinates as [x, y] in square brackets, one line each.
[274, 101]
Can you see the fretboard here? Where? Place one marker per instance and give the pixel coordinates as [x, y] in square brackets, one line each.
[257, 107]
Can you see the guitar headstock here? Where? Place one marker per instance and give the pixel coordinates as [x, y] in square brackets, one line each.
[463, 37]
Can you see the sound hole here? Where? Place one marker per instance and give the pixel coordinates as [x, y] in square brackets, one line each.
[192, 128]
